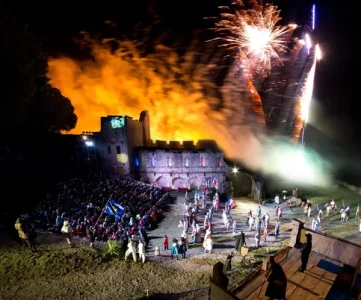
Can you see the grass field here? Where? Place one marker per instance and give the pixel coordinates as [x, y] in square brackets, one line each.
[332, 224]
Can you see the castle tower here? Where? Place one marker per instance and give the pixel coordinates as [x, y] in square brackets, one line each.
[144, 118]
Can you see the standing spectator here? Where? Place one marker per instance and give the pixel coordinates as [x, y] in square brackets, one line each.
[306, 250]
[277, 279]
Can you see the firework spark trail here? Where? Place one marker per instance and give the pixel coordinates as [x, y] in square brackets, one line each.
[258, 40]
[254, 33]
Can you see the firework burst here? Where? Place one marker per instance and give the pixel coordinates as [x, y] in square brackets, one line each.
[255, 34]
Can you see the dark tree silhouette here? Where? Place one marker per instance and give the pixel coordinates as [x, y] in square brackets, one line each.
[50, 111]
[27, 99]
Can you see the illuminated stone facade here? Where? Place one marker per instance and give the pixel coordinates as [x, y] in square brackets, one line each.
[179, 169]
[125, 149]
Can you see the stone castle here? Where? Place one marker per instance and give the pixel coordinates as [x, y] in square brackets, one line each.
[126, 149]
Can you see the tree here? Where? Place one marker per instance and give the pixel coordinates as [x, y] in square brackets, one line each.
[27, 99]
[51, 112]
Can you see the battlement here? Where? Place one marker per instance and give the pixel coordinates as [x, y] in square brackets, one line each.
[185, 145]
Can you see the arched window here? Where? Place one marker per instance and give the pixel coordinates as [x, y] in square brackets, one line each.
[152, 161]
[169, 162]
[220, 162]
[186, 163]
[203, 161]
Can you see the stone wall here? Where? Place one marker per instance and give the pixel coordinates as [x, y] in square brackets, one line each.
[181, 168]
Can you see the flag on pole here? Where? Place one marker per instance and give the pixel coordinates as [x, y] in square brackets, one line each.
[114, 208]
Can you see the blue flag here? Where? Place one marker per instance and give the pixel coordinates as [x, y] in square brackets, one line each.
[114, 208]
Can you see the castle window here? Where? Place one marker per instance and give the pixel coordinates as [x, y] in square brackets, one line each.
[203, 161]
[118, 150]
[152, 161]
[137, 162]
[169, 162]
[109, 150]
[186, 163]
[220, 162]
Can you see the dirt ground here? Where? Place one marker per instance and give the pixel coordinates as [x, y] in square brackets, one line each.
[59, 272]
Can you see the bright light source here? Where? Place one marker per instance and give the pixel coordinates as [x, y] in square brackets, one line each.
[318, 52]
[284, 191]
[308, 43]
[89, 143]
[235, 170]
[84, 137]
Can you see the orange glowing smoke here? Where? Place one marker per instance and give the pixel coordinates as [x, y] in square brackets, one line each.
[171, 88]
[125, 83]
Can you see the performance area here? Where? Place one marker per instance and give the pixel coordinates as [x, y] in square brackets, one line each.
[58, 270]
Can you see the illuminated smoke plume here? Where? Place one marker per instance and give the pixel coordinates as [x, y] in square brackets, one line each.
[177, 90]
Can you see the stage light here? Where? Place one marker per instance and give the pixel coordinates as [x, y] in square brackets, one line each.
[89, 143]
[234, 170]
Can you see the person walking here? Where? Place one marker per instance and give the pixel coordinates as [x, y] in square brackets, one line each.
[306, 250]
[67, 231]
[131, 250]
[21, 232]
[277, 281]
[141, 251]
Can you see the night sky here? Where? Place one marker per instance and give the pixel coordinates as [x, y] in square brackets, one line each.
[335, 107]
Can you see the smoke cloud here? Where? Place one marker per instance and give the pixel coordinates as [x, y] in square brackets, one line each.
[189, 96]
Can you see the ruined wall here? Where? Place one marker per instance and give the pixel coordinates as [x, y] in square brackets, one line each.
[181, 168]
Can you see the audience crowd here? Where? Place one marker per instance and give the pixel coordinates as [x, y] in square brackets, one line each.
[80, 202]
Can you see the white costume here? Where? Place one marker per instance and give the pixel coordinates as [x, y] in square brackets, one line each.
[208, 233]
[208, 245]
[250, 222]
[141, 252]
[67, 230]
[131, 250]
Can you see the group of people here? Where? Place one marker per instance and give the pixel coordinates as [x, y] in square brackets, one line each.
[257, 222]
[77, 207]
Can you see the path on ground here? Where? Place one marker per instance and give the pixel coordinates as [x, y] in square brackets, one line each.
[224, 242]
